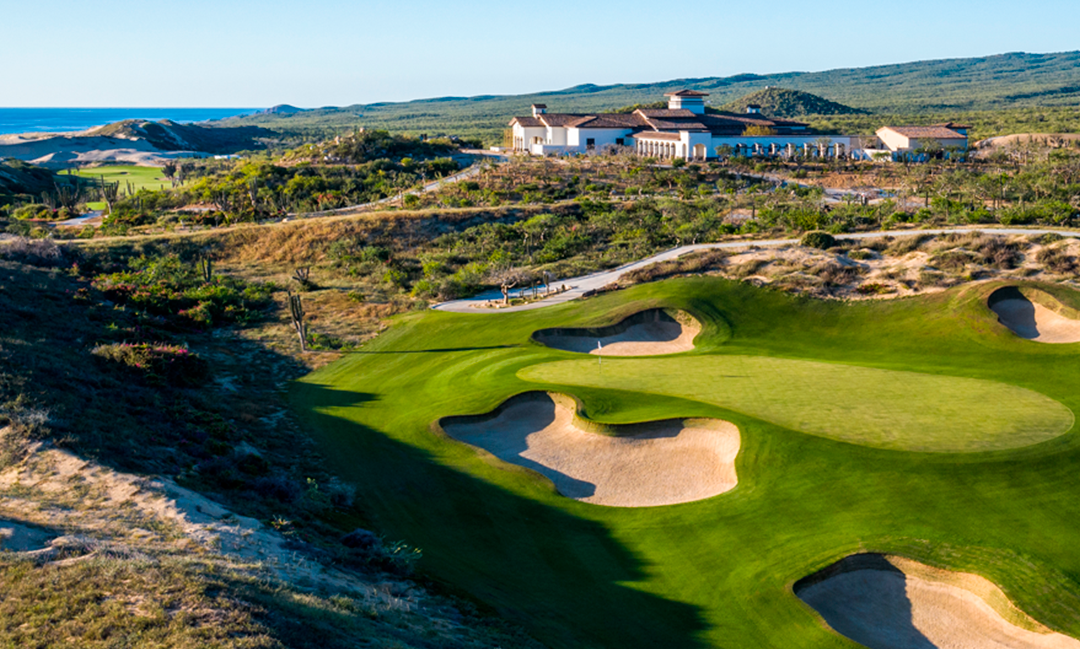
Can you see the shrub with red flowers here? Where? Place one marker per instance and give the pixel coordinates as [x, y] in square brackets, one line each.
[167, 287]
[157, 363]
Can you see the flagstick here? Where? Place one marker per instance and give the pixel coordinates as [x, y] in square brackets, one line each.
[600, 356]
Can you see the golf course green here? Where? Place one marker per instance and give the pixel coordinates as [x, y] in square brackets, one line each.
[920, 428]
[861, 405]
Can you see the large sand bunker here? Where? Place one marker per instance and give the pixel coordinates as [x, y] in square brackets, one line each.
[642, 465]
[647, 333]
[1034, 315]
[888, 602]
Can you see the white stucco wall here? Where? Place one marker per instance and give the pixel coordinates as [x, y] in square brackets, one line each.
[893, 140]
[556, 135]
[602, 136]
[896, 142]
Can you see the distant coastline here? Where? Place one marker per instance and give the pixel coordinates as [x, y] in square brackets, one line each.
[67, 120]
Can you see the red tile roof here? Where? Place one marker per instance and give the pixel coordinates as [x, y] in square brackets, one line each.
[664, 113]
[664, 119]
[655, 135]
[931, 132]
[608, 120]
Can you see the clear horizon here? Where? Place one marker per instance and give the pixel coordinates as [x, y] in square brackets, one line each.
[338, 53]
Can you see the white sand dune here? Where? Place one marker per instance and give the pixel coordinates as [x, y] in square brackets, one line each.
[886, 602]
[657, 463]
[64, 150]
[648, 333]
[1031, 320]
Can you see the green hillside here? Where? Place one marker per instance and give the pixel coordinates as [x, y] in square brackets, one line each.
[782, 102]
[1004, 81]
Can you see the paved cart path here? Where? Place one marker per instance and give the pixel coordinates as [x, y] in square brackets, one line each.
[578, 286]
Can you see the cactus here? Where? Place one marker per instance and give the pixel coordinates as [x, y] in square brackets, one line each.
[296, 312]
[206, 268]
[110, 192]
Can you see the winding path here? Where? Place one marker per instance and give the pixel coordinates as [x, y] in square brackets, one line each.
[472, 158]
[578, 286]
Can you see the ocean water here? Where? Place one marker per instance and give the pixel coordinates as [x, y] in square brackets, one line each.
[61, 120]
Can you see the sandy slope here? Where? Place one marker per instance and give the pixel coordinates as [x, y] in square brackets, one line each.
[59, 150]
[1033, 321]
[659, 463]
[896, 603]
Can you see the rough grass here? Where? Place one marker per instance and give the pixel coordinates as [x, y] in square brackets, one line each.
[149, 585]
[716, 572]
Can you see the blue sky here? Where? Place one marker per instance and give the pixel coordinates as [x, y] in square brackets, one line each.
[334, 52]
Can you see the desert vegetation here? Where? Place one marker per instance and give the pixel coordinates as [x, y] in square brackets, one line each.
[119, 368]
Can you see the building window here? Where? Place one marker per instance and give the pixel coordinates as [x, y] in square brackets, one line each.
[620, 141]
[590, 143]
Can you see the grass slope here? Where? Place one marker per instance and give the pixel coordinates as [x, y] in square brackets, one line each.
[717, 572]
[998, 82]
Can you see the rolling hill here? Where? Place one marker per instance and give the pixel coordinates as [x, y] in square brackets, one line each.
[1004, 81]
[781, 102]
[167, 135]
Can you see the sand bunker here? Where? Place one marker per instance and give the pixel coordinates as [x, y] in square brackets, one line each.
[642, 465]
[1029, 319]
[647, 333]
[887, 602]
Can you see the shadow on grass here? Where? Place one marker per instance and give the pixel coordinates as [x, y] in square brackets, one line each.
[558, 575]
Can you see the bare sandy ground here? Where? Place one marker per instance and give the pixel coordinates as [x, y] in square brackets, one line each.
[648, 333]
[1024, 138]
[1034, 321]
[63, 150]
[56, 504]
[658, 463]
[886, 602]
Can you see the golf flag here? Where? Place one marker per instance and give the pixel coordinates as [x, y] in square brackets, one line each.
[599, 354]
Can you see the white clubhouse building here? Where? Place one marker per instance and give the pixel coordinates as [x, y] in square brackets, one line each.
[682, 130]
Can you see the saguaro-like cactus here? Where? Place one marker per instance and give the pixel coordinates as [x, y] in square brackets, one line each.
[206, 268]
[110, 192]
[296, 312]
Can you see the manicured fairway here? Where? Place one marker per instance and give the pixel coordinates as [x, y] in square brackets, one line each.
[861, 405]
[138, 177]
[719, 572]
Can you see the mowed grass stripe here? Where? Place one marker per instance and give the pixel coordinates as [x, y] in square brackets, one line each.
[872, 407]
